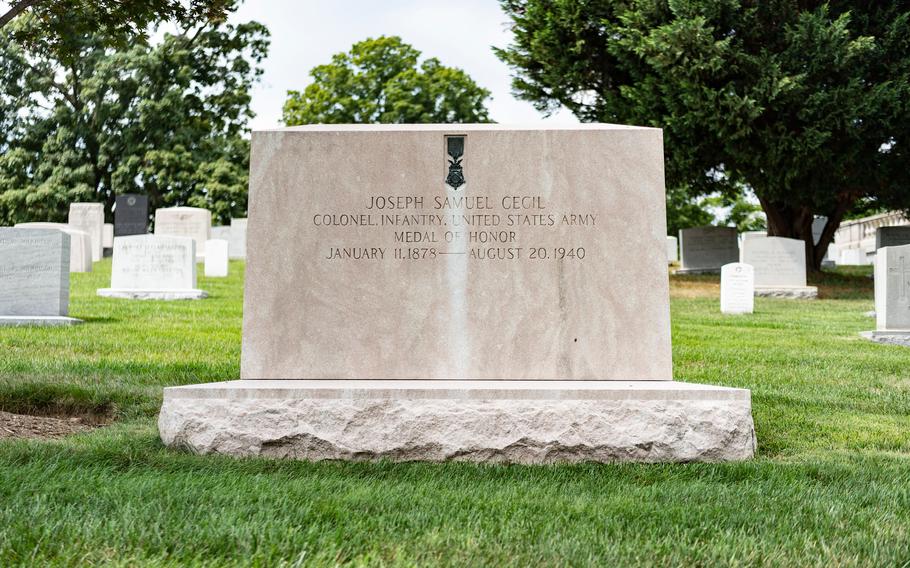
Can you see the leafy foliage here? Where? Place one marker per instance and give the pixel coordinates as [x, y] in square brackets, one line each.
[167, 120]
[380, 81]
[807, 104]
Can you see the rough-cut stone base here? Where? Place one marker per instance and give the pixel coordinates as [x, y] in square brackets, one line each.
[14, 321]
[697, 271]
[793, 292]
[153, 294]
[901, 338]
[481, 421]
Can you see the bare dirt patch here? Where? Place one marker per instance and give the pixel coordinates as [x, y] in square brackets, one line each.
[42, 427]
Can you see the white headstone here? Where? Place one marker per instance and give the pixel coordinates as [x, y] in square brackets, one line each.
[737, 288]
[153, 267]
[107, 240]
[89, 217]
[193, 222]
[216, 258]
[778, 262]
[34, 277]
[80, 244]
[237, 248]
[892, 288]
[672, 250]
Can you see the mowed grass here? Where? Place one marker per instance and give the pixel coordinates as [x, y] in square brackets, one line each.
[830, 485]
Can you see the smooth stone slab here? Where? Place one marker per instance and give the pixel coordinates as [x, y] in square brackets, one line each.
[131, 215]
[238, 238]
[153, 267]
[37, 321]
[193, 222]
[779, 263]
[89, 217]
[901, 338]
[80, 244]
[153, 294]
[342, 283]
[737, 288]
[704, 250]
[892, 236]
[530, 422]
[892, 289]
[216, 258]
[34, 272]
[787, 292]
[672, 250]
[853, 257]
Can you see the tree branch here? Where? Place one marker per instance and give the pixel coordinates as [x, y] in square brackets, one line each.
[17, 9]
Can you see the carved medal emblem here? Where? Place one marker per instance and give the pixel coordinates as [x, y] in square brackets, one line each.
[455, 150]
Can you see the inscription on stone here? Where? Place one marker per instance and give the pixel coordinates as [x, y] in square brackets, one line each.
[384, 269]
[131, 215]
[737, 288]
[153, 262]
[777, 261]
[34, 272]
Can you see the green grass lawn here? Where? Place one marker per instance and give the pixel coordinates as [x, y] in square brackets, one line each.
[830, 485]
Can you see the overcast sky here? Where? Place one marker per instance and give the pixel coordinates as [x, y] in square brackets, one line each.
[460, 33]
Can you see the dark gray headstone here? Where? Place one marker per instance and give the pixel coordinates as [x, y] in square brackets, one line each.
[892, 236]
[707, 248]
[131, 215]
[34, 272]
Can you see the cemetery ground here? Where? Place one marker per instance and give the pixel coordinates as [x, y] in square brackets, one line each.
[830, 484]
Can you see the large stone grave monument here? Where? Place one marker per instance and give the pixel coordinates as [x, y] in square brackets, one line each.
[703, 250]
[892, 236]
[34, 277]
[892, 296]
[89, 217]
[464, 292]
[153, 267]
[780, 267]
[80, 244]
[193, 222]
[131, 215]
[737, 288]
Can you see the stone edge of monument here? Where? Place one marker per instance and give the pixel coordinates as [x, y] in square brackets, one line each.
[531, 422]
[38, 321]
[793, 292]
[153, 294]
[893, 337]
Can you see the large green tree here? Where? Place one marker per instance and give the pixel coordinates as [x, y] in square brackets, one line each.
[382, 80]
[806, 103]
[167, 120]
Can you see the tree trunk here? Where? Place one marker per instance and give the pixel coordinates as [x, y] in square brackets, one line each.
[796, 223]
[15, 10]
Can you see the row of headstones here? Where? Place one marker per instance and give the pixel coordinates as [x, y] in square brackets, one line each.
[36, 259]
[892, 291]
[709, 247]
[779, 263]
